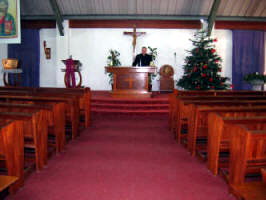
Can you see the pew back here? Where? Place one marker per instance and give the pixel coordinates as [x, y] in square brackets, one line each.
[247, 150]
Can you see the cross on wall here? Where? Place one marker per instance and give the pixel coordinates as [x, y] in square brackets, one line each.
[135, 35]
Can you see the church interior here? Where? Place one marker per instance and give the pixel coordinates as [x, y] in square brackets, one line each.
[133, 100]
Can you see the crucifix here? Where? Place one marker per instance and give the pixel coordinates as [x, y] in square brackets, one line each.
[134, 34]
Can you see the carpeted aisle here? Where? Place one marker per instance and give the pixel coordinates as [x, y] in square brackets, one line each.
[124, 158]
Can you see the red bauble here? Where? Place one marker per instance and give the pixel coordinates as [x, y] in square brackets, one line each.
[195, 69]
[232, 86]
[211, 79]
[198, 87]
[213, 50]
[219, 70]
[203, 75]
[212, 87]
[205, 66]
[215, 40]
[216, 61]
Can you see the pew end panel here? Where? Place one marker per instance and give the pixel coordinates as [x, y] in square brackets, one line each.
[247, 150]
[12, 147]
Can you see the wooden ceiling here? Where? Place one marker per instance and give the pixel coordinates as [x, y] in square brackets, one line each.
[159, 9]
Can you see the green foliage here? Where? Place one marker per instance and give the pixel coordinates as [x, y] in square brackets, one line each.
[250, 78]
[202, 66]
[112, 59]
[153, 53]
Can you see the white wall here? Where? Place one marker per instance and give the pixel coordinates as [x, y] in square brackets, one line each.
[3, 54]
[48, 66]
[91, 47]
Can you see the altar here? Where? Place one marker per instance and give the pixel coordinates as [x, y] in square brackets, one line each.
[131, 82]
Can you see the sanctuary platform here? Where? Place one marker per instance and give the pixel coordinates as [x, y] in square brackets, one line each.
[104, 102]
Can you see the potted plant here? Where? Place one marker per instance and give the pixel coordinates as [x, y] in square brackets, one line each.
[113, 61]
[256, 80]
[153, 53]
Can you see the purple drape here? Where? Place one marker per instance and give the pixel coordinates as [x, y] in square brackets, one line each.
[248, 56]
[28, 53]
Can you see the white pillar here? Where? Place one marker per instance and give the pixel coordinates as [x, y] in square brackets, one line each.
[3, 54]
[62, 52]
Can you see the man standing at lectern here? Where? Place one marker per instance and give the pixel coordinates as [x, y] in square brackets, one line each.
[143, 59]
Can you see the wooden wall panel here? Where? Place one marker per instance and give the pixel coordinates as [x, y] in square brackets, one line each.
[38, 24]
[234, 25]
[163, 24]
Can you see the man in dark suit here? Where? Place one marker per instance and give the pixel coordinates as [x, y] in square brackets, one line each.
[143, 59]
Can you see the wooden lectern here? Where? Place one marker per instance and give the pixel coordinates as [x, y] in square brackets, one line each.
[131, 81]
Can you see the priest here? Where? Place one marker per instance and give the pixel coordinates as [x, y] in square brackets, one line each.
[143, 59]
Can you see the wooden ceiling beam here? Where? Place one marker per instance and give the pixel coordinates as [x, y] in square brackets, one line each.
[58, 16]
[212, 16]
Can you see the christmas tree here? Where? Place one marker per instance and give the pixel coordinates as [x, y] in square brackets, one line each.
[203, 66]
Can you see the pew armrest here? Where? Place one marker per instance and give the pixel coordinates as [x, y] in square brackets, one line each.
[6, 181]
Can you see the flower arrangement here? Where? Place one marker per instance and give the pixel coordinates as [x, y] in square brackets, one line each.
[254, 78]
[112, 59]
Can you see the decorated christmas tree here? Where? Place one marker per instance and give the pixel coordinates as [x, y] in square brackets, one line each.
[203, 66]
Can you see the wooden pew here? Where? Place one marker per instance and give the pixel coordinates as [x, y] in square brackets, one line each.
[247, 150]
[182, 102]
[84, 95]
[189, 113]
[249, 191]
[6, 182]
[218, 131]
[35, 129]
[72, 106]
[55, 114]
[198, 118]
[178, 93]
[263, 173]
[12, 150]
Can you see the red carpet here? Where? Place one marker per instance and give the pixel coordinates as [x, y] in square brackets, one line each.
[124, 158]
[102, 102]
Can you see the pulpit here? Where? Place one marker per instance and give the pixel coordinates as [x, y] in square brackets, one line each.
[131, 81]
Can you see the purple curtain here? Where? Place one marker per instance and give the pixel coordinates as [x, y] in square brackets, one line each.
[28, 53]
[248, 56]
